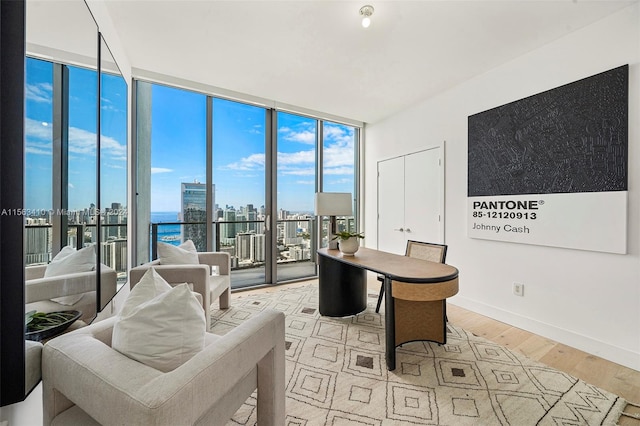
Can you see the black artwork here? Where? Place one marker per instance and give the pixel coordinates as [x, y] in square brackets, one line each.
[569, 139]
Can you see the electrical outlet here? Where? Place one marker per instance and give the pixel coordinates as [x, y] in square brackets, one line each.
[518, 289]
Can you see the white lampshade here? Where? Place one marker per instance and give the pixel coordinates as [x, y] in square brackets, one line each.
[333, 204]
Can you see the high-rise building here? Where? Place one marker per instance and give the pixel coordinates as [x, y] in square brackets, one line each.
[114, 255]
[38, 237]
[228, 230]
[296, 253]
[258, 248]
[115, 216]
[252, 216]
[194, 209]
[290, 232]
[243, 246]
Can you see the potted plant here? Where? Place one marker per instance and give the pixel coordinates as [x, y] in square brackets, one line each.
[41, 325]
[349, 242]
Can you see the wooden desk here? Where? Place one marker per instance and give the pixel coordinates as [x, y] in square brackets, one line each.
[415, 293]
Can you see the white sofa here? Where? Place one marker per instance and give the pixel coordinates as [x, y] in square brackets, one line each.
[39, 290]
[199, 277]
[86, 382]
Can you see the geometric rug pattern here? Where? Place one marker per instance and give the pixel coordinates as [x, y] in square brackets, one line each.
[336, 374]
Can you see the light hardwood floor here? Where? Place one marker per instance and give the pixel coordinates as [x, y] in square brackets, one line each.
[607, 375]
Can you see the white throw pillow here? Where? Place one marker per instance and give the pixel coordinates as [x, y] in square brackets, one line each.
[184, 254]
[163, 332]
[150, 286]
[70, 261]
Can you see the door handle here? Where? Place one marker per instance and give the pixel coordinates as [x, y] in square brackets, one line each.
[399, 229]
[407, 230]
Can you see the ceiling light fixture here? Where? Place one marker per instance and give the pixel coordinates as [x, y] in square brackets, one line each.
[366, 12]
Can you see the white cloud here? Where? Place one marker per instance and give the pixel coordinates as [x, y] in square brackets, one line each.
[250, 163]
[306, 135]
[40, 92]
[339, 134]
[155, 170]
[338, 171]
[38, 149]
[257, 129]
[39, 137]
[336, 156]
[340, 181]
[296, 158]
[108, 105]
[291, 171]
[37, 130]
[113, 148]
[82, 141]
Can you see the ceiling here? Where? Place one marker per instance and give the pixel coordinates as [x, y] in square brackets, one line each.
[316, 55]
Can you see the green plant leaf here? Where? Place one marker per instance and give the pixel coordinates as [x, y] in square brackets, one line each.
[345, 235]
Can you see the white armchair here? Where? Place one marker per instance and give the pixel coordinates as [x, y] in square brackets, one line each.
[86, 382]
[199, 277]
[39, 290]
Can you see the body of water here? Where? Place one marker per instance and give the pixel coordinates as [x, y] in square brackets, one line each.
[169, 234]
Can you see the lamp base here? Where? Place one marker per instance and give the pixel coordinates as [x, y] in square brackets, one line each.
[333, 245]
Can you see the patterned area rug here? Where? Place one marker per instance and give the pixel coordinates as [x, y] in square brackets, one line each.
[336, 375]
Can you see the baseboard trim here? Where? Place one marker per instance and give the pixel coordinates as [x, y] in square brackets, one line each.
[587, 344]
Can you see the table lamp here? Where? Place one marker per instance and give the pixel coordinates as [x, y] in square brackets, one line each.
[333, 204]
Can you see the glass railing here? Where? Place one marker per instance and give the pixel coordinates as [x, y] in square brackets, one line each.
[246, 244]
[243, 240]
[39, 239]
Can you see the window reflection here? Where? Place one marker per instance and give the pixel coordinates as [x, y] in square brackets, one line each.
[38, 160]
[338, 166]
[82, 155]
[113, 167]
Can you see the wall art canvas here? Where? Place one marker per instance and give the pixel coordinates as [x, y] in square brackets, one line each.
[551, 169]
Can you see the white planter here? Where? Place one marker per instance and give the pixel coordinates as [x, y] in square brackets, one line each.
[350, 246]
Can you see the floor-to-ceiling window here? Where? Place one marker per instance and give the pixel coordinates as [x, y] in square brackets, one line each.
[82, 154]
[38, 161]
[339, 142]
[178, 165]
[297, 141]
[239, 152]
[61, 153]
[60, 163]
[113, 172]
[259, 193]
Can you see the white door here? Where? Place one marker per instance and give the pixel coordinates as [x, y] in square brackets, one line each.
[391, 206]
[411, 200]
[422, 195]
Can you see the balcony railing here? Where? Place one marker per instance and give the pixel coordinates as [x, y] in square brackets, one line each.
[229, 235]
[244, 240]
[39, 239]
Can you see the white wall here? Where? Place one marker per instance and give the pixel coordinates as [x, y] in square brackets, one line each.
[587, 300]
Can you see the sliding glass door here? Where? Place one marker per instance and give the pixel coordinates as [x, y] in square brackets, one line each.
[238, 186]
[297, 140]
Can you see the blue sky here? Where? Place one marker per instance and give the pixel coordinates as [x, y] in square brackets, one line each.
[178, 154]
[82, 137]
